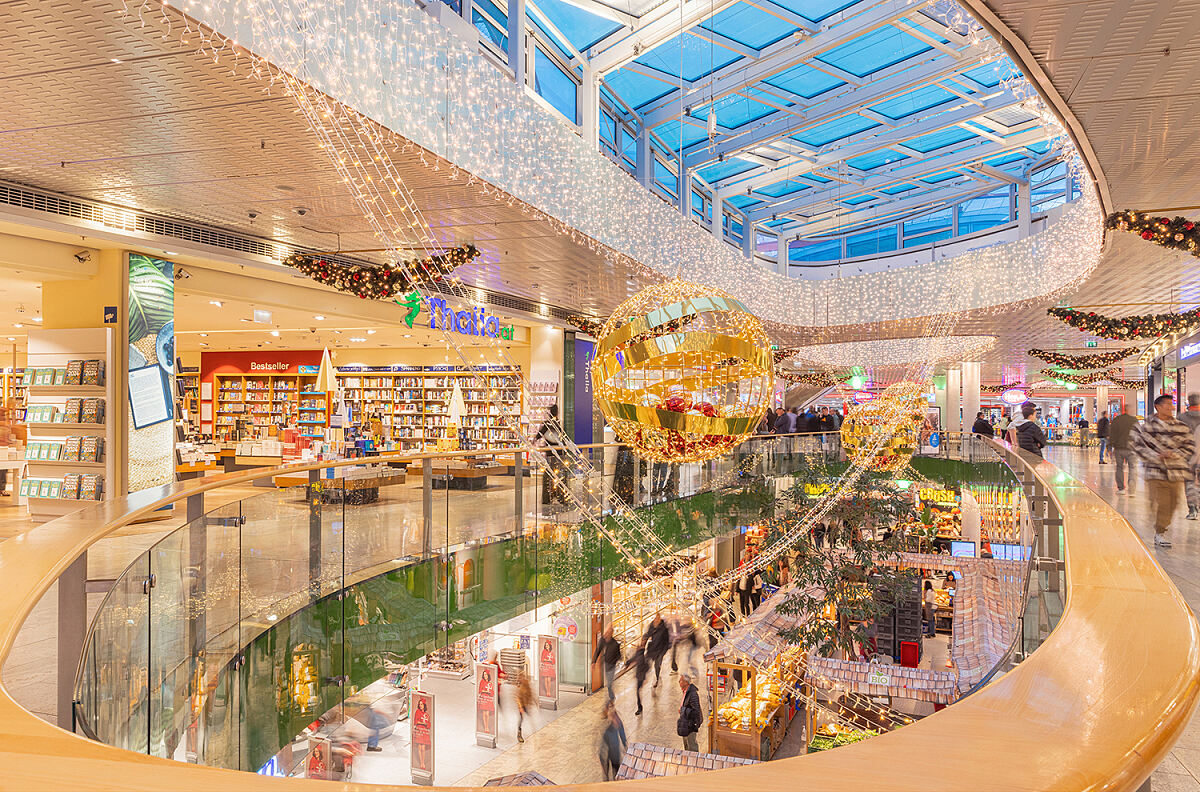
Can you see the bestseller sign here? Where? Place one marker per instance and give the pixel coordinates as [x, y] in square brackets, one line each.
[548, 671]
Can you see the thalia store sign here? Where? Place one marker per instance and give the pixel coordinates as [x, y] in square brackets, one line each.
[473, 322]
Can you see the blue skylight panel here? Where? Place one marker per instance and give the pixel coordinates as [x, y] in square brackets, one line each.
[555, 86]
[699, 57]
[776, 223]
[816, 177]
[941, 139]
[898, 189]
[1011, 116]
[805, 81]
[941, 177]
[870, 52]
[735, 110]
[858, 199]
[836, 129]
[907, 104]
[990, 74]
[743, 201]
[669, 134]
[1006, 159]
[748, 25]
[637, 89]
[784, 188]
[493, 33]
[875, 159]
[723, 170]
[582, 28]
[500, 15]
[815, 10]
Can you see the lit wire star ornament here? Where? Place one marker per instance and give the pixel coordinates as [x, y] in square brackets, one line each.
[682, 372]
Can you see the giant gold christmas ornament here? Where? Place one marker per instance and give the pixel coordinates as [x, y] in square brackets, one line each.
[897, 414]
[682, 372]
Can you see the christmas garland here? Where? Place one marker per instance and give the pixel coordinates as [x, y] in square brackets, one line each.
[383, 281]
[1177, 233]
[1147, 326]
[1084, 379]
[998, 388]
[585, 325]
[1080, 362]
[797, 378]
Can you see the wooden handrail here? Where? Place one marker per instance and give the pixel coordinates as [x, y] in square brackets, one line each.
[1097, 707]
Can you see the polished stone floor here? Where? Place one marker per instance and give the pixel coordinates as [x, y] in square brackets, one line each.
[1180, 772]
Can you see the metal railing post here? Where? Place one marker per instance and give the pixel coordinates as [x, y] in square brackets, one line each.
[426, 506]
[518, 492]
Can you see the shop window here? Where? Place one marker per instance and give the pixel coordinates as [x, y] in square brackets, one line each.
[1048, 195]
[664, 178]
[880, 240]
[817, 250]
[985, 212]
[556, 86]
[925, 224]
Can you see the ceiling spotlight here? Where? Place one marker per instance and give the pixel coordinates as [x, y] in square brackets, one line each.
[370, 332]
[12, 338]
[217, 303]
[18, 325]
[204, 335]
[408, 335]
[357, 338]
[37, 319]
[319, 318]
[203, 344]
[275, 333]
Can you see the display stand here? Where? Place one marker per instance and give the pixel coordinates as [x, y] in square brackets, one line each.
[752, 719]
[55, 349]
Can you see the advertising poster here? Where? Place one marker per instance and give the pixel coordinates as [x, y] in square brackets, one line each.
[548, 671]
[150, 372]
[487, 688]
[318, 761]
[421, 758]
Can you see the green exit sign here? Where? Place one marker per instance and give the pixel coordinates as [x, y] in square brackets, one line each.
[1091, 343]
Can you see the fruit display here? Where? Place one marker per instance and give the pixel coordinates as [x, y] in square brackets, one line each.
[832, 735]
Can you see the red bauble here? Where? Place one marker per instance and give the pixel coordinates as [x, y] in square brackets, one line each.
[1189, 225]
[1147, 235]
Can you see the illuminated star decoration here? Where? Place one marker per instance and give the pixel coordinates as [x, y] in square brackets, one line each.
[1145, 326]
[1176, 233]
[382, 281]
[1082, 362]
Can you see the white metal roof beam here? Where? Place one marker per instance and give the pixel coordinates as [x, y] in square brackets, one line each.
[871, 141]
[951, 160]
[785, 14]
[893, 210]
[779, 57]
[660, 24]
[605, 12]
[724, 42]
[893, 81]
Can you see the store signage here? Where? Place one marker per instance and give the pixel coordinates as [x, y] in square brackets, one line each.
[273, 367]
[473, 322]
[876, 678]
[938, 495]
[110, 314]
[815, 490]
[1091, 344]
[548, 671]
[1189, 351]
[487, 679]
[421, 739]
[935, 440]
[566, 628]
[1014, 396]
[272, 768]
[861, 397]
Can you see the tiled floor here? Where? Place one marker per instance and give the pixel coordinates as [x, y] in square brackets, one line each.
[1180, 772]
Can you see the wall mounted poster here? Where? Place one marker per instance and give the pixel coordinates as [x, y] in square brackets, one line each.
[487, 687]
[150, 319]
[548, 671]
[421, 739]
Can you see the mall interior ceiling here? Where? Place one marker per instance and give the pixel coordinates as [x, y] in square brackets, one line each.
[113, 131]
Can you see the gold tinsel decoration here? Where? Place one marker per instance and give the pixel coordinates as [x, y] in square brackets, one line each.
[899, 411]
[682, 372]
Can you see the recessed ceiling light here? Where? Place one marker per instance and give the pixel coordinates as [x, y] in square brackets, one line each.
[204, 335]
[203, 344]
[215, 302]
[337, 332]
[261, 316]
[11, 338]
[37, 319]
[18, 324]
[271, 617]
[170, 253]
[370, 332]
[244, 319]
[408, 335]
[319, 318]
[357, 338]
[275, 333]
[115, 60]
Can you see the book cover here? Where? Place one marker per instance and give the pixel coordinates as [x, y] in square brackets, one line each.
[44, 488]
[89, 450]
[55, 489]
[31, 451]
[70, 487]
[71, 448]
[43, 451]
[93, 372]
[74, 372]
[54, 451]
[25, 485]
[60, 376]
[72, 411]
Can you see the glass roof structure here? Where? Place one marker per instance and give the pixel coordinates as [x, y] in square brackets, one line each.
[805, 120]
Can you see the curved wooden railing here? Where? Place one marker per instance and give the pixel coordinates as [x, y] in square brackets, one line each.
[1097, 707]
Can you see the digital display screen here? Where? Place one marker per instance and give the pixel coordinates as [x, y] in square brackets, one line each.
[962, 549]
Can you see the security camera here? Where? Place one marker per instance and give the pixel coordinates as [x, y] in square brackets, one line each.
[252, 215]
[300, 210]
[83, 256]
[182, 274]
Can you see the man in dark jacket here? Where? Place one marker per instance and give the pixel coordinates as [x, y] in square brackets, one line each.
[1024, 432]
[641, 668]
[982, 427]
[1102, 435]
[690, 715]
[658, 641]
[608, 654]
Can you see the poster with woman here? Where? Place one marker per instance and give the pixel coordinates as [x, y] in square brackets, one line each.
[548, 671]
[421, 758]
[487, 678]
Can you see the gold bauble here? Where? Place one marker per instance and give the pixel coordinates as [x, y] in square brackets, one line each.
[898, 413]
[682, 372]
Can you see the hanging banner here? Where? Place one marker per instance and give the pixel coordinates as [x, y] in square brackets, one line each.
[548, 671]
[150, 372]
[487, 677]
[421, 749]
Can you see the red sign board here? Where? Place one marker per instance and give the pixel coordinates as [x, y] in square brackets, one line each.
[548, 671]
[487, 688]
[421, 748]
[257, 363]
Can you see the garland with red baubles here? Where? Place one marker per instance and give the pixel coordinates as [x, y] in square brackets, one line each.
[1176, 233]
[1082, 362]
[385, 280]
[1147, 326]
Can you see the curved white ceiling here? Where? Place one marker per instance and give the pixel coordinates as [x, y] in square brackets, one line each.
[896, 351]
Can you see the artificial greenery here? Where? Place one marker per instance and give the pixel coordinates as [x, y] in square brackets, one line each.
[1082, 362]
[385, 280]
[1176, 233]
[1145, 326]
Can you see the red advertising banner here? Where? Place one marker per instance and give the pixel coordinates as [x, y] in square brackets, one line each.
[487, 690]
[421, 720]
[547, 655]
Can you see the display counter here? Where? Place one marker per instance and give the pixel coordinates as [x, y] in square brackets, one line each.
[755, 706]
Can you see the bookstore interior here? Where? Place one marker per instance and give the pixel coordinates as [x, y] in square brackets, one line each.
[300, 373]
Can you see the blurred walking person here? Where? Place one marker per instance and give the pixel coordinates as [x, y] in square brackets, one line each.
[525, 701]
[612, 742]
[1166, 447]
[1191, 487]
[1120, 441]
[607, 655]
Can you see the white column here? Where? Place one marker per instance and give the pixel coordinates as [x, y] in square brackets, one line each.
[718, 216]
[589, 107]
[970, 392]
[1102, 402]
[1024, 212]
[939, 396]
[954, 400]
[1089, 409]
[644, 163]
[516, 39]
[1064, 412]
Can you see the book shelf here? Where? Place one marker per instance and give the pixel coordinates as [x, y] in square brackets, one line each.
[413, 402]
[13, 390]
[268, 400]
[49, 439]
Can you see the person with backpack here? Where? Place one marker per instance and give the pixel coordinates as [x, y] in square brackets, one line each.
[1025, 434]
[691, 717]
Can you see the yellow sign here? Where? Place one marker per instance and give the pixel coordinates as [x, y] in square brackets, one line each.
[938, 495]
[814, 490]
